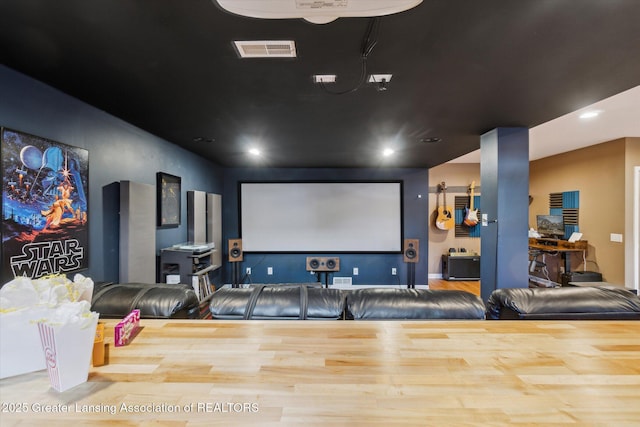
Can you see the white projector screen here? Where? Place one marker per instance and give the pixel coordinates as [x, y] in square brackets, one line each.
[321, 216]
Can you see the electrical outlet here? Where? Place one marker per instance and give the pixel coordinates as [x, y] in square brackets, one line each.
[269, 271]
[249, 271]
[355, 271]
[394, 271]
[484, 220]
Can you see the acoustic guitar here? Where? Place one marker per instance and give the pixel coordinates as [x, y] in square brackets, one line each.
[470, 214]
[444, 219]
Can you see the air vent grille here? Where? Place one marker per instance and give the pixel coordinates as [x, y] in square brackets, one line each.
[343, 281]
[266, 48]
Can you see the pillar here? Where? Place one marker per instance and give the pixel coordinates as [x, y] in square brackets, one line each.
[504, 175]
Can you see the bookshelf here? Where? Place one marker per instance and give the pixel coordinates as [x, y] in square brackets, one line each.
[190, 264]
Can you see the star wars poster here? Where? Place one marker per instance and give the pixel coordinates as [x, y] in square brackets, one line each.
[44, 206]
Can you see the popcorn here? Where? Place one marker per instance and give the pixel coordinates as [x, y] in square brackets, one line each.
[53, 302]
[49, 291]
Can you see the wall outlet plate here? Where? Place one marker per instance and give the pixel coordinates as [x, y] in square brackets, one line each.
[615, 237]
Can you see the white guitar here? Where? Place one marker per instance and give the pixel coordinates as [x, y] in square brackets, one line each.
[471, 214]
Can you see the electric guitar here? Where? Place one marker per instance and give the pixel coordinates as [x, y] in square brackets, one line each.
[444, 219]
[470, 214]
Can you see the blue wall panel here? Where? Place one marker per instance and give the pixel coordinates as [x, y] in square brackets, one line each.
[571, 199]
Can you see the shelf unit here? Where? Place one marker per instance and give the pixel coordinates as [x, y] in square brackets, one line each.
[189, 264]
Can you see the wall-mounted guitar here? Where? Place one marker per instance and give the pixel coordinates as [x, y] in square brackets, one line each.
[444, 219]
[470, 214]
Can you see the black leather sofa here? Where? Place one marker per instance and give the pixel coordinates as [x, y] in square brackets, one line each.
[313, 302]
[284, 302]
[567, 303]
[412, 304]
[309, 302]
[155, 301]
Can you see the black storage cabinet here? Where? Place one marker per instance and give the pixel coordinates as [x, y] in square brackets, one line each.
[461, 267]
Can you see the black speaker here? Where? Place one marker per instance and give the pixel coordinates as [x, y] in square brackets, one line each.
[411, 250]
[235, 250]
[315, 263]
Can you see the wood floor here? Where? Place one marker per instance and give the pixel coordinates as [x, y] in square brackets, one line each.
[350, 373]
[468, 286]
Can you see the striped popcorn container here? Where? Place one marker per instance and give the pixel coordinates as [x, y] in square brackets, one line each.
[67, 350]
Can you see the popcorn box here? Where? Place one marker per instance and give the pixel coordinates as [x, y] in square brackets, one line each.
[20, 349]
[67, 350]
[24, 302]
[126, 329]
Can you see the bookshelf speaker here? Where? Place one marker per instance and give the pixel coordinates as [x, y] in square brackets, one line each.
[411, 250]
[235, 250]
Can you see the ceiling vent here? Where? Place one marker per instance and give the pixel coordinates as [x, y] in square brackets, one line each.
[266, 48]
[316, 11]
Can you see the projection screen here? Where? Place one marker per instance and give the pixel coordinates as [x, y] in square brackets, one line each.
[321, 216]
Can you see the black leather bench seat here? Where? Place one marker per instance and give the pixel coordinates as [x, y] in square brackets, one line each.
[565, 303]
[408, 304]
[278, 302]
[155, 301]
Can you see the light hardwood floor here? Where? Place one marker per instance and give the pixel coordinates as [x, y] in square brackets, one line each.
[350, 373]
[468, 286]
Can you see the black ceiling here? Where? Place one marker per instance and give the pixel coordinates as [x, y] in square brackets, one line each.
[460, 68]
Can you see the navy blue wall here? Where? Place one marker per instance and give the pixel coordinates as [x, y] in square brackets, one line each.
[118, 151]
[374, 269]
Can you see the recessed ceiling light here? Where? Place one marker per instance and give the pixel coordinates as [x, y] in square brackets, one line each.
[387, 152]
[254, 152]
[590, 114]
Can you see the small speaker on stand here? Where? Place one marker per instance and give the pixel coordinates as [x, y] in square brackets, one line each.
[411, 255]
[235, 257]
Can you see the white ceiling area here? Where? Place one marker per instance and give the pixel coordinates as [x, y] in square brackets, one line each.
[618, 117]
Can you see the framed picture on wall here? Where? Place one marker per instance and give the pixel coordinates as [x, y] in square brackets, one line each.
[45, 187]
[168, 199]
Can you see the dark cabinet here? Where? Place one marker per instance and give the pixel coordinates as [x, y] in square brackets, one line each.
[459, 267]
